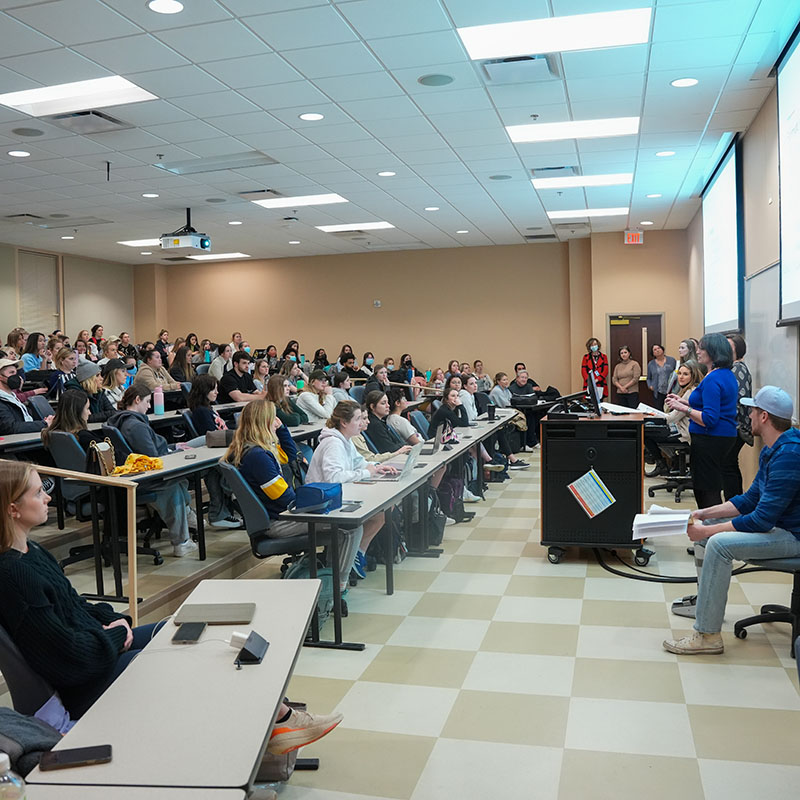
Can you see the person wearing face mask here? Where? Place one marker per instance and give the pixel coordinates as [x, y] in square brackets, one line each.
[14, 415]
[320, 360]
[367, 361]
[272, 359]
[659, 371]
[291, 357]
[388, 362]
[596, 363]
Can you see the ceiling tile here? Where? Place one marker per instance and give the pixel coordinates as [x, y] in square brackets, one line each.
[200, 11]
[367, 86]
[406, 144]
[419, 50]
[256, 122]
[607, 62]
[687, 55]
[215, 104]
[375, 18]
[214, 41]
[284, 95]
[266, 142]
[306, 27]
[131, 54]
[16, 38]
[260, 70]
[344, 132]
[56, 66]
[14, 82]
[456, 101]
[179, 132]
[153, 112]
[478, 12]
[331, 60]
[545, 93]
[176, 82]
[380, 109]
[591, 88]
[695, 20]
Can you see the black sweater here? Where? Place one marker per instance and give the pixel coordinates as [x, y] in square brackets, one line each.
[457, 418]
[12, 420]
[59, 633]
[382, 436]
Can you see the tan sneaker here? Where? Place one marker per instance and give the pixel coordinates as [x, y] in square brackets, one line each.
[300, 729]
[696, 644]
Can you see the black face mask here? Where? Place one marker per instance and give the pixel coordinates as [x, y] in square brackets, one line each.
[407, 362]
[14, 382]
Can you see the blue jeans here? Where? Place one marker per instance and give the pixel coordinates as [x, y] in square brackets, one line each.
[715, 578]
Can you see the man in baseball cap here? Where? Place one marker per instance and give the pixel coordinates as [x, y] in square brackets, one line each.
[764, 522]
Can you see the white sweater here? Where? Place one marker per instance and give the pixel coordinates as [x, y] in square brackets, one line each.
[336, 460]
[309, 402]
[468, 401]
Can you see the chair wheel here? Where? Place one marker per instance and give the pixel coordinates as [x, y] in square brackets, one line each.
[158, 560]
[554, 555]
[740, 633]
[641, 561]
[651, 493]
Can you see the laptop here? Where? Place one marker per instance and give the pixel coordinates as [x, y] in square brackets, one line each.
[411, 461]
[216, 613]
[432, 445]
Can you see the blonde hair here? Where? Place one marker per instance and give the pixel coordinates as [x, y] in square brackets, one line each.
[14, 479]
[90, 385]
[254, 428]
[61, 356]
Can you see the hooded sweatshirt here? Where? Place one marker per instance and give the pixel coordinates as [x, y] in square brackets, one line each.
[773, 499]
[336, 460]
[141, 438]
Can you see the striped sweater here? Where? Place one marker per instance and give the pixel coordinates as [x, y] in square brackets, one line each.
[263, 472]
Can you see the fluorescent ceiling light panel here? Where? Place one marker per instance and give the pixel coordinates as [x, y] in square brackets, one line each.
[574, 181]
[579, 213]
[218, 256]
[195, 166]
[301, 200]
[79, 96]
[141, 243]
[577, 129]
[557, 34]
[355, 226]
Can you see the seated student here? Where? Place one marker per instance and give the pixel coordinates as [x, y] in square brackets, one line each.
[202, 396]
[320, 360]
[14, 416]
[152, 373]
[764, 522]
[379, 382]
[145, 346]
[388, 362]
[65, 362]
[15, 343]
[464, 368]
[380, 434]
[206, 354]
[115, 380]
[341, 386]
[89, 347]
[336, 461]
[36, 356]
[402, 427]
[289, 413]
[272, 359]
[345, 351]
[524, 386]
[172, 496]
[518, 366]
[261, 374]
[363, 449]
[294, 374]
[348, 366]
[367, 361]
[110, 349]
[500, 394]
[317, 398]
[163, 346]
[484, 381]
[450, 412]
[407, 365]
[222, 363]
[236, 341]
[237, 384]
[173, 350]
[126, 347]
[81, 352]
[193, 344]
[89, 381]
[453, 368]
[182, 369]
[97, 338]
[72, 416]
[438, 379]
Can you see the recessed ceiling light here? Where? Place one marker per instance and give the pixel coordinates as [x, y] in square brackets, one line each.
[355, 226]
[145, 253]
[67, 237]
[78, 96]
[18, 153]
[462, 231]
[646, 222]
[59, 216]
[141, 243]
[573, 181]
[665, 153]
[684, 83]
[435, 80]
[499, 177]
[557, 34]
[653, 196]
[165, 6]
[27, 132]
[588, 212]
[218, 256]
[294, 241]
[235, 222]
[149, 194]
[431, 208]
[312, 116]
[387, 174]
[216, 200]
[301, 200]
[578, 129]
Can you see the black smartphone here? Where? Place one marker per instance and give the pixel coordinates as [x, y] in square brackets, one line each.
[189, 633]
[77, 757]
[190, 456]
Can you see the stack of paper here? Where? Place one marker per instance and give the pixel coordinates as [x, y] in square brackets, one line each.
[643, 408]
[660, 523]
[613, 408]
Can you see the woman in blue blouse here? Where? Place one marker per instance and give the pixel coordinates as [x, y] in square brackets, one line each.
[36, 356]
[711, 408]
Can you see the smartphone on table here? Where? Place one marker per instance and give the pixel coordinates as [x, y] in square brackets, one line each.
[76, 757]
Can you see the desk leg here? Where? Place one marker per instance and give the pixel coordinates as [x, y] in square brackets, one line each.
[96, 543]
[59, 502]
[312, 571]
[115, 557]
[201, 526]
[421, 549]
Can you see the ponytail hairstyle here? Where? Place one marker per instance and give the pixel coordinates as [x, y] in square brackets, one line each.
[344, 413]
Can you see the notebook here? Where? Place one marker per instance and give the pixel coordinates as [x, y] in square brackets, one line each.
[411, 460]
[216, 613]
[432, 446]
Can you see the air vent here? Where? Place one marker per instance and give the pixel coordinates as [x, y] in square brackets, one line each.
[260, 194]
[29, 219]
[88, 122]
[541, 237]
[521, 69]
[555, 172]
[72, 222]
[182, 259]
[574, 230]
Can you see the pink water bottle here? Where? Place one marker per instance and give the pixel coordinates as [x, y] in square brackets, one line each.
[158, 400]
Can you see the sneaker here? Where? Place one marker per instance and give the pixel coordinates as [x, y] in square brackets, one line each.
[450, 521]
[491, 466]
[468, 497]
[360, 565]
[685, 607]
[48, 485]
[696, 644]
[184, 548]
[299, 730]
[191, 516]
[228, 522]
[518, 464]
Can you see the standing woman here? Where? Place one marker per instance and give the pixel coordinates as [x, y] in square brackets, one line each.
[687, 351]
[36, 356]
[626, 378]
[596, 363]
[659, 373]
[731, 474]
[317, 399]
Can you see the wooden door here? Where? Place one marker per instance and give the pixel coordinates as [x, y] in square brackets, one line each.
[639, 332]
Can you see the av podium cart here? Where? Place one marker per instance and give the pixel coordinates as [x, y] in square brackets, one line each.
[613, 447]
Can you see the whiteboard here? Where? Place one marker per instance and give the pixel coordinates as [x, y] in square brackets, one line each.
[772, 353]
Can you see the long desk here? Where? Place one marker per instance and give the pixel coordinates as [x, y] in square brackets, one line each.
[40, 791]
[377, 497]
[184, 715]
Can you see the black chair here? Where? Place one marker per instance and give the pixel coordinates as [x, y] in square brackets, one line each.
[186, 387]
[679, 480]
[71, 496]
[40, 407]
[202, 369]
[191, 431]
[28, 690]
[776, 613]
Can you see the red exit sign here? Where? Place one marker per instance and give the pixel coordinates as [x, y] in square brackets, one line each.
[634, 237]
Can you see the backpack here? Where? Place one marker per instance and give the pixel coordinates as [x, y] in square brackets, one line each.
[451, 497]
[301, 569]
[399, 550]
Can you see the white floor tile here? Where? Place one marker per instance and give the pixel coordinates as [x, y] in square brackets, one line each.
[542, 567]
[397, 708]
[376, 601]
[472, 770]
[734, 780]
[629, 726]
[470, 583]
[521, 674]
[513, 523]
[518, 502]
[427, 564]
[625, 644]
[622, 589]
[345, 664]
[482, 547]
[289, 791]
[733, 612]
[732, 684]
[555, 610]
[759, 594]
[445, 634]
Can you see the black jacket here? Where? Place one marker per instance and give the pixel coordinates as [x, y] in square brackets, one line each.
[141, 438]
[12, 420]
[456, 417]
[382, 436]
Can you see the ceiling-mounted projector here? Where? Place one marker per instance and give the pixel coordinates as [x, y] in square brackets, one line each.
[185, 238]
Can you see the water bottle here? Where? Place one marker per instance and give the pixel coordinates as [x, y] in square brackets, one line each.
[12, 787]
[158, 400]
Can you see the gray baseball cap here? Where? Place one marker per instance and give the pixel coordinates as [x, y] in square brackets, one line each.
[772, 400]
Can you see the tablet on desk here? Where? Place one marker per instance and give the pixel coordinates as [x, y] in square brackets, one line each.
[216, 613]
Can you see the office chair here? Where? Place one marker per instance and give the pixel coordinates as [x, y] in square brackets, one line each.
[29, 691]
[676, 452]
[72, 496]
[40, 407]
[202, 369]
[191, 431]
[186, 387]
[420, 422]
[357, 393]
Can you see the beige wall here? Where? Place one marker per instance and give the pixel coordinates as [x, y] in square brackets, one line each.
[694, 250]
[149, 301]
[8, 290]
[580, 306]
[499, 304]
